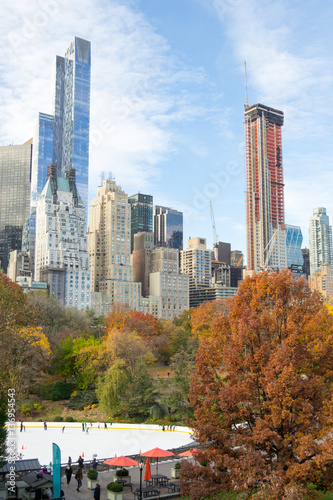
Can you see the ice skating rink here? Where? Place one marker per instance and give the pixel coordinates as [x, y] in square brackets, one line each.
[118, 439]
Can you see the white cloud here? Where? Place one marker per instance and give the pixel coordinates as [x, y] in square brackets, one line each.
[138, 86]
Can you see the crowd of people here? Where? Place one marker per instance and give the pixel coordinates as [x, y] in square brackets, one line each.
[79, 475]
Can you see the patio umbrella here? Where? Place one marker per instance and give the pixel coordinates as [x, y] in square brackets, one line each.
[157, 453]
[188, 453]
[121, 462]
[147, 476]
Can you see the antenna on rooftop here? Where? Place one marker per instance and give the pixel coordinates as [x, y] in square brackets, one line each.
[246, 87]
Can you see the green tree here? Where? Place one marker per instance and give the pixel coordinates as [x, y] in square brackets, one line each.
[175, 390]
[139, 395]
[112, 386]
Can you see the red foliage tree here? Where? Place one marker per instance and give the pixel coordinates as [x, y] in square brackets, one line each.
[262, 392]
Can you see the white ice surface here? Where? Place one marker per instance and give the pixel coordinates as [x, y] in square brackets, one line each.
[116, 440]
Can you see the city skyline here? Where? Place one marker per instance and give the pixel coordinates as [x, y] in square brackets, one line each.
[167, 96]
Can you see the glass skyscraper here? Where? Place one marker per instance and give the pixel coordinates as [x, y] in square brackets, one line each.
[62, 138]
[72, 114]
[168, 228]
[15, 172]
[320, 239]
[141, 214]
[42, 155]
[294, 240]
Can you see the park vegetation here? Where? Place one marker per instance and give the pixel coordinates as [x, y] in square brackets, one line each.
[251, 375]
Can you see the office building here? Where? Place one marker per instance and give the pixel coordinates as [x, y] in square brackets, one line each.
[141, 214]
[196, 262]
[320, 240]
[168, 227]
[15, 175]
[167, 284]
[141, 257]
[109, 244]
[224, 252]
[61, 256]
[265, 227]
[322, 282]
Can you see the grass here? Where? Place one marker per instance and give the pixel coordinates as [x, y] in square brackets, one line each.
[52, 409]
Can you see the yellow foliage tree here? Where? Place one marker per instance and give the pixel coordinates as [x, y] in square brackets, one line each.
[24, 353]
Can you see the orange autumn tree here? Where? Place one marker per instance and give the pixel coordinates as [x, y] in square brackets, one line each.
[262, 394]
[204, 316]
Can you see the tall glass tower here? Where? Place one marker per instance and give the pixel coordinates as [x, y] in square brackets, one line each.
[42, 155]
[72, 113]
[320, 239]
[62, 138]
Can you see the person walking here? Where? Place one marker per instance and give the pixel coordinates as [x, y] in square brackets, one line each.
[68, 472]
[82, 426]
[69, 461]
[21, 429]
[78, 477]
[63, 429]
[97, 492]
[80, 462]
[94, 464]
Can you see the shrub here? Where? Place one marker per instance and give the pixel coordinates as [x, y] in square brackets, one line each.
[203, 463]
[177, 465]
[56, 391]
[58, 418]
[69, 419]
[37, 406]
[25, 409]
[116, 487]
[92, 474]
[122, 472]
[82, 399]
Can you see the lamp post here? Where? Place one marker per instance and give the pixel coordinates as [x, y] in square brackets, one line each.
[141, 468]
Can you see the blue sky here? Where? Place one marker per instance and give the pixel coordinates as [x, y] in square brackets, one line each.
[168, 96]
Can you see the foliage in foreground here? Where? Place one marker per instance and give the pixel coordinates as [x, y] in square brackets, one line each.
[262, 394]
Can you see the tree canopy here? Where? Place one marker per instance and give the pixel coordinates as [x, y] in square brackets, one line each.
[262, 394]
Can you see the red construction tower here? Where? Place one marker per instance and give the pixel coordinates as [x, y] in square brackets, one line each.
[264, 182]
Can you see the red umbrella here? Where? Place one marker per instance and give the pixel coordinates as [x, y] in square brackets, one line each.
[147, 476]
[157, 453]
[188, 453]
[121, 462]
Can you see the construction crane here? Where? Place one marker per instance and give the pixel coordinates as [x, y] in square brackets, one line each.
[246, 88]
[270, 248]
[239, 261]
[216, 238]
